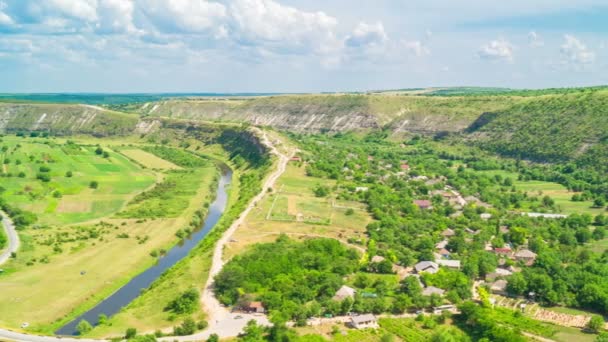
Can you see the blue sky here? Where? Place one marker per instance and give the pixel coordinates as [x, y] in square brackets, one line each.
[299, 46]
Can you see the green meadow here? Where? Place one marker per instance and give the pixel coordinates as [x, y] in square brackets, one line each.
[54, 181]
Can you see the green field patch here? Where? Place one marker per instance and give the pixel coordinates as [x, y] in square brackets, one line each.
[168, 198]
[107, 167]
[148, 159]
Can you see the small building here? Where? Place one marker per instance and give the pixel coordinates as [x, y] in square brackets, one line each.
[499, 287]
[455, 264]
[448, 233]
[431, 290]
[443, 253]
[361, 189]
[344, 292]
[471, 231]
[426, 266]
[441, 244]
[499, 273]
[485, 216]
[255, 307]
[365, 321]
[504, 251]
[296, 159]
[405, 167]
[525, 255]
[423, 204]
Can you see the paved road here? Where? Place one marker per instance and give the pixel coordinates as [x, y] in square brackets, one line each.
[13, 238]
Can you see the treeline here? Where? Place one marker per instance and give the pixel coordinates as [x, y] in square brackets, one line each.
[21, 218]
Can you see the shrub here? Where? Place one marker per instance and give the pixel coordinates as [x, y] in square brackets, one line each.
[83, 327]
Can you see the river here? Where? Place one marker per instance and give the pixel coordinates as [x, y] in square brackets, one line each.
[133, 288]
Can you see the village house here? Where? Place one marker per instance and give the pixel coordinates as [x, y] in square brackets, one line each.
[499, 273]
[454, 264]
[364, 321]
[361, 189]
[441, 244]
[344, 292]
[504, 251]
[525, 255]
[443, 253]
[255, 307]
[404, 167]
[448, 233]
[471, 231]
[423, 204]
[295, 159]
[485, 216]
[426, 266]
[431, 290]
[499, 287]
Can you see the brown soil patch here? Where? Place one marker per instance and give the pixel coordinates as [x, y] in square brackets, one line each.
[73, 206]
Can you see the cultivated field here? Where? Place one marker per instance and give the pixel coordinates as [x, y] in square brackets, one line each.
[292, 208]
[148, 160]
[66, 196]
[83, 248]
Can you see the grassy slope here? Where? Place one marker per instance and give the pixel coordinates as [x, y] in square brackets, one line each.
[119, 180]
[57, 296]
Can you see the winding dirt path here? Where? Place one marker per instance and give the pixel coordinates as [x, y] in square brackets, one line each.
[212, 305]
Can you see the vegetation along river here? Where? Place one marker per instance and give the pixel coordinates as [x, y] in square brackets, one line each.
[133, 288]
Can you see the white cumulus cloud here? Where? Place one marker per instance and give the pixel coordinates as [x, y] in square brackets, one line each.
[499, 49]
[184, 16]
[367, 35]
[575, 52]
[269, 22]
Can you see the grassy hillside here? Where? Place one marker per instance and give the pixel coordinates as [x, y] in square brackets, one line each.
[524, 124]
[64, 119]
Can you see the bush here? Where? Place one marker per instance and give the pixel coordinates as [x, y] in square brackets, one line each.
[83, 327]
[188, 327]
[186, 303]
[130, 333]
[94, 185]
[68, 174]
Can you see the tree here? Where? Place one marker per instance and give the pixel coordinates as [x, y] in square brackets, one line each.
[595, 324]
[93, 184]
[130, 333]
[68, 174]
[602, 337]
[213, 338]
[83, 327]
[599, 202]
[99, 151]
[517, 284]
[252, 332]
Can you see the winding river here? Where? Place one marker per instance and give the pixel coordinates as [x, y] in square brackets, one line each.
[133, 288]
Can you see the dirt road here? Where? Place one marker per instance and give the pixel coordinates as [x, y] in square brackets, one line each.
[221, 321]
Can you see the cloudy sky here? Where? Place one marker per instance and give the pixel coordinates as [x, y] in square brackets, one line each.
[299, 45]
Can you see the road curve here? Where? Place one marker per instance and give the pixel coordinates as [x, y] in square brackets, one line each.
[13, 238]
